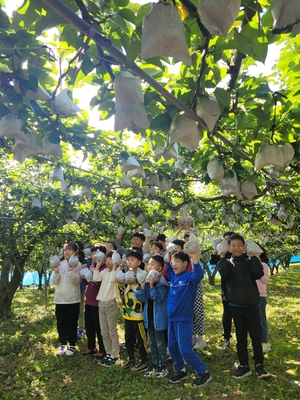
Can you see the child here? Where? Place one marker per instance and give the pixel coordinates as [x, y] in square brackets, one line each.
[154, 295]
[132, 310]
[241, 273]
[262, 288]
[183, 289]
[108, 311]
[91, 315]
[156, 248]
[67, 300]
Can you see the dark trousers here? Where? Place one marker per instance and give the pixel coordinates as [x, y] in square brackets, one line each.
[92, 328]
[66, 319]
[226, 320]
[135, 331]
[247, 320]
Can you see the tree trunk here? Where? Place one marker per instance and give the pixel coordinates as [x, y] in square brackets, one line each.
[8, 289]
[41, 274]
[211, 275]
[48, 279]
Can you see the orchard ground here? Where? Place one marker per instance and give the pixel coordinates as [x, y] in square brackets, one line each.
[29, 368]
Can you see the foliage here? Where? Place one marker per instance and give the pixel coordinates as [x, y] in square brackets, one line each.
[39, 48]
[29, 368]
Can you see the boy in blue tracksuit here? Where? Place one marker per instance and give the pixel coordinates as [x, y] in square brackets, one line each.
[154, 295]
[182, 293]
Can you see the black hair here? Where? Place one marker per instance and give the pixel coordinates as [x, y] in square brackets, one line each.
[113, 243]
[159, 245]
[79, 250]
[181, 255]
[161, 237]
[109, 254]
[136, 248]
[159, 259]
[134, 253]
[140, 235]
[236, 236]
[185, 235]
[263, 256]
[229, 233]
[179, 242]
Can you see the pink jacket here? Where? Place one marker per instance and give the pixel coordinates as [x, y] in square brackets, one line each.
[262, 282]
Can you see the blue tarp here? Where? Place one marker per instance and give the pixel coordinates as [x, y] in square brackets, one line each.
[31, 278]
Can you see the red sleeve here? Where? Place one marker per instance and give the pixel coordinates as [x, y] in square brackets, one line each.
[164, 273]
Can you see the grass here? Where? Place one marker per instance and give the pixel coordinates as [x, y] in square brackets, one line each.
[29, 368]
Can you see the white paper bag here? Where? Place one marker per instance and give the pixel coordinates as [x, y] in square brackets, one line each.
[40, 94]
[286, 15]
[54, 261]
[269, 154]
[57, 174]
[73, 261]
[153, 275]
[184, 129]
[19, 152]
[62, 104]
[222, 247]
[150, 191]
[215, 170]
[136, 172]
[209, 110]
[282, 213]
[248, 189]
[163, 34]
[288, 153]
[153, 180]
[134, 114]
[129, 164]
[218, 15]
[117, 206]
[179, 166]
[65, 186]
[140, 218]
[115, 258]
[165, 184]
[36, 202]
[85, 191]
[10, 126]
[125, 182]
[253, 248]
[235, 208]
[229, 185]
[52, 148]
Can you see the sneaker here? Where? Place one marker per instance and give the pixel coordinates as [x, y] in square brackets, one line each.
[200, 343]
[261, 372]
[226, 344]
[202, 379]
[178, 376]
[61, 350]
[266, 347]
[242, 371]
[140, 366]
[129, 363]
[71, 350]
[89, 352]
[110, 361]
[100, 356]
[151, 371]
[161, 371]
[80, 334]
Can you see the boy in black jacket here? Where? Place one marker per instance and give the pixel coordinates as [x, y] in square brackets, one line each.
[241, 272]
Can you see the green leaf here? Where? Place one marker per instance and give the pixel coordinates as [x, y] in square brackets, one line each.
[35, 108]
[127, 14]
[248, 42]
[33, 82]
[134, 50]
[87, 64]
[4, 20]
[223, 99]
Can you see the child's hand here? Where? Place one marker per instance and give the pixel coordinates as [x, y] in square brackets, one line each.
[83, 266]
[70, 268]
[56, 269]
[153, 282]
[92, 269]
[143, 284]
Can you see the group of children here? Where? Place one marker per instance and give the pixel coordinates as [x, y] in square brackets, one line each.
[157, 300]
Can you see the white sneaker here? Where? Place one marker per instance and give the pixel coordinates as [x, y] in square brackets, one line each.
[71, 350]
[200, 343]
[61, 350]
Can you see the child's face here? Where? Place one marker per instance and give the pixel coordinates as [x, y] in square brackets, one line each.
[237, 248]
[109, 263]
[109, 247]
[155, 250]
[132, 262]
[153, 264]
[178, 265]
[68, 252]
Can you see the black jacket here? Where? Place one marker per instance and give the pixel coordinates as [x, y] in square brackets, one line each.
[240, 276]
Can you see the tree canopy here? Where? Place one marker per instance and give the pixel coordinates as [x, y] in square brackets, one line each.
[47, 46]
